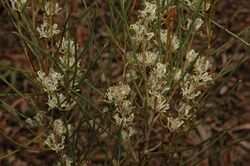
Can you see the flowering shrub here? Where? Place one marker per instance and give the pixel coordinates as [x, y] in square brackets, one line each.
[164, 85]
[166, 78]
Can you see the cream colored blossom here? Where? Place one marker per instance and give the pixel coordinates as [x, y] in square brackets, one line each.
[67, 46]
[174, 123]
[67, 160]
[191, 56]
[59, 128]
[129, 132]
[55, 143]
[118, 93]
[57, 101]
[148, 58]
[160, 70]
[194, 4]
[197, 23]
[201, 67]
[51, 8]
[157, 102]
[69, 63]
[189, 90]
[141, 33]
[49, 82]
[47, 31]
[149, 12]
[174, 41]
[184, 111]
[131, 75]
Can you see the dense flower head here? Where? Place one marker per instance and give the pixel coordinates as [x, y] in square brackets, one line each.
[49, 82]
[58, 127]
[148, 58]
[174, 41]
[67, 46]
[47, 31]
[174, 123]
[54, 144]
[149, 12]
[197, 23]
[118, 93]
[52, 8]
[57, 100]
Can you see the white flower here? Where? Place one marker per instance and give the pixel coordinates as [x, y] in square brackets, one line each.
[53, 143]
[37, 119]
[58, 127]
[50, 82]
[202, 65]
[174, 123]
[149, 12]
[131, 75]
[141, 35]
[118, 93]
[191, 56]
[51, 8]
[184, 110]
[129, 132]
[69, 62]
[201, 76]
[127, 105]
[57, 101]
[193, 4]
[157, 102]
[124, 120]
[189, 90]
[175, 43]
[47, 31]
[30, 122]
[197, 23]
[67, 47]
[148, 58]
[52, 102]
[67, 160]
[160, 70]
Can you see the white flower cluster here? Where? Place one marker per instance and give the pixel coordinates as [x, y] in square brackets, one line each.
[203, 4]
[197, 23]
[199, 77]
[67, 160]
[124, 115]
[190, 89]
[165, 85]
[50, 84]
[52, 8]
[48, 29]
[53, 81]
[144, 35]
[157, 87]
[69, 62]
[36, 120]
[56, 140]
